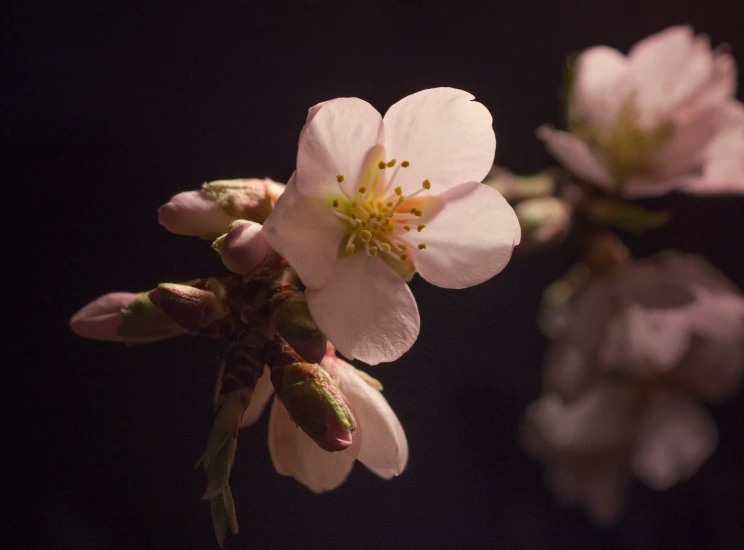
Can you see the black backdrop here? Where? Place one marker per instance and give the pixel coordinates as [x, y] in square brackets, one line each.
[109, 109]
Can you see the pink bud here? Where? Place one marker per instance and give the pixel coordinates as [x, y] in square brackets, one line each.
[337, 437]
[194, 214]
[101, 319]
[244, 248]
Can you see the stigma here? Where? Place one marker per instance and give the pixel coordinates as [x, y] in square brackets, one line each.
[379, 215]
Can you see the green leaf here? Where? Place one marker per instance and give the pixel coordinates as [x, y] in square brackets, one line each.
[223, 515]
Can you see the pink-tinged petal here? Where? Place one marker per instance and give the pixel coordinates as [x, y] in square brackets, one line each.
[575, 155]
[670, 65]
[718, 90]
[244, 248]
[336, 139]
[295, 454]
[675, 438]
[602, 85]
[712, 369]
[683, 152]
[367, 311]
[469, 241]
[305, 231]
[194, 214]
[384, 447]
[447, 138]
[101, 318]
[261, 395]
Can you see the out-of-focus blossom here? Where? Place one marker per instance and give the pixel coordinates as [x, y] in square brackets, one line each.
[209, 211]
[123, 317]
[632, 356]
[378, 441]
[375, 199]
[543, 220]
[655, 120]
[593, 444]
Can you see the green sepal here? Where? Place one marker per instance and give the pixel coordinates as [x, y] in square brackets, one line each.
[293, 319]
[144, 320]
[624, 215]
[223, 515]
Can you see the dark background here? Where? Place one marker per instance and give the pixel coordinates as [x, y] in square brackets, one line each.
[109, 109]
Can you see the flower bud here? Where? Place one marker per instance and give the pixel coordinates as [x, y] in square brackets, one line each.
[243, 248]
[123, 317]
[251, 199]
[315, 403]
[543, 220]
[606, 253]
[194, 213]
[192, 308]
[295, 324]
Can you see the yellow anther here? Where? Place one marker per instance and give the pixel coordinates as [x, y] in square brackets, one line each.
[426, 184]
[354, 216]
[340, 178]
[405, 164]
[385, 246]
[418, 213]
[404, 257]
[413, 211]
[389, 204]
[373, 251]
[378, 217]
[362, 189]
[350, 249]
[403, 246]
[421, 246]
[365, 235]
[399, 191]
[391, 163]
[364, 223]
[354, 204]
[382, 165]
[335, 203]
[420, 227]
[407, 227]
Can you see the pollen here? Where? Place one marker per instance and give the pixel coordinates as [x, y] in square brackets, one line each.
[365, 235]
[399, 190]
[335, 203]
[426, 184]
[391, 163]
[420, 228]
[340, 178]
[407, 227]
[402, 246]
[362, 189]
[404, 257]
[385, 246]
[389, 204]
[373, 251]
[350, 249]
[405, 164]
[354, 216]
[421, 246]
[382, 165]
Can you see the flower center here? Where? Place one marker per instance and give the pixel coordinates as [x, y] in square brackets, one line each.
[380, 217]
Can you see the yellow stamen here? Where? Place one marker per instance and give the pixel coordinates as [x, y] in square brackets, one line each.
[399, 191]
[404, 257]
[420, 227]
[335, 203]
[382, 165]
[340, 178]
[362, 189]
[389, 204]
[421, 246]
[426, 184]
[407, 227]
[373, 251]
[350, 249]
[405, 164]
[365, 235]
[403, 246]
[385, 246]
[391, 163]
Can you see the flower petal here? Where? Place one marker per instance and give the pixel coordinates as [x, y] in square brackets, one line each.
[305, 231]
[101, 318]
[469, 241]
[676, 437]
[367, 311]
[336, 139]
[602, 85]
[263, 391]
[194, 214]
[447, 138]
[575, 155]
[384, 447]
[295, 454]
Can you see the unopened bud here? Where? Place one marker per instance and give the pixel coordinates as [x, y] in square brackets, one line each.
[250, 199]
[192, 308]
[315, 403]
[543, 220]
[515, 188]
[606, 253]
[244, 248]
[123, 317]
[194, 213]
[296, 325]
